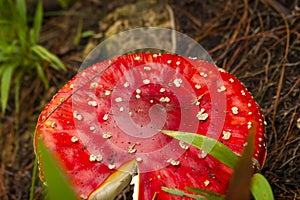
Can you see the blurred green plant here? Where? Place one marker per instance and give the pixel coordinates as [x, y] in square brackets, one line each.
[20, 53]
[65, 3]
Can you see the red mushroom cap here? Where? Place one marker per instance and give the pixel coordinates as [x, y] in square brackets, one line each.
[104, 124]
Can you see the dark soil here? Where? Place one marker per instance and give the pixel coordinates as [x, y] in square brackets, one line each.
[258, 41]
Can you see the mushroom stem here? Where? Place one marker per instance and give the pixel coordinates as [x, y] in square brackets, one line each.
[115, 183]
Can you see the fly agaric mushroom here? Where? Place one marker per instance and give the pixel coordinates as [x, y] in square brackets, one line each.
[103, 127]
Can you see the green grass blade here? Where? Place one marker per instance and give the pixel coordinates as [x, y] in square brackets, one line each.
[260, 188]
[240, 181]
[37, 23]
[58, 186]
[210, 195]
[182, 193]
[6, 77]
[42, 75]
[46, 55]
[34, 172]
[21, 19]
[219, 150]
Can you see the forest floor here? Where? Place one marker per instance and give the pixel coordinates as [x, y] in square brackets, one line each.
[257, 41]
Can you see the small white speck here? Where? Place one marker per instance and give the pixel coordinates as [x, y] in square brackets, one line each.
[146, 81]
[77, 116]
[155, 55]
[201, 115]
[151, 101]
[82, 196]
[226, 135]
[138, 96]
[92, 128]
[249, 125]
[93, 158]
[265, 122]
[105, 117]
[177, 82]
[169, 61]
[249, 104]
[138, 91]
[173, 162]
[147, 68]
[83, 74]
[235, 110]
[245, 144]
[197, 86]
[93, 85]
[107, 92]
[221, 70]
[162, 90]
[178, 63]
[231, 80]
[107, 135]
[97, 158]
[183, 145]
[249, 113]
[203, 74]
[243, 93]
[260, 139]
[111, 166]
[206, 183]
[121, 109]
[221, 89]
[74, 139]
[61, 99]
[259, 145]
[126, 84]
[130, 114]
[165, 99]
[53, 124]
[139, 159]
[137, 58]
[131, 149]
[197, 103]
[92, 103]
[118, 99]
[72, 86]
[202, 154]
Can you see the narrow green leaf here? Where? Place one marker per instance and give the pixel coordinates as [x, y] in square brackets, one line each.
[46, 55]
[86, 34]
[210, 195]
[21, 22]
[239, 185]
[182, 193]
[5, 85]
[42, 75]
[219, 150]
[58, 186]
[37, 23]
[17, 80]
[260, 188]
[34, 172]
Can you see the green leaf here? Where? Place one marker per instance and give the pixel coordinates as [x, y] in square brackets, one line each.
[6, 77]
[260, 188]
[210, 195]
[56, 181]
[46, 55]
[42, 75]
[182, 193]
[240, 180]
[21, 22]
[37, 23]
[219, 150]
[86, 34]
